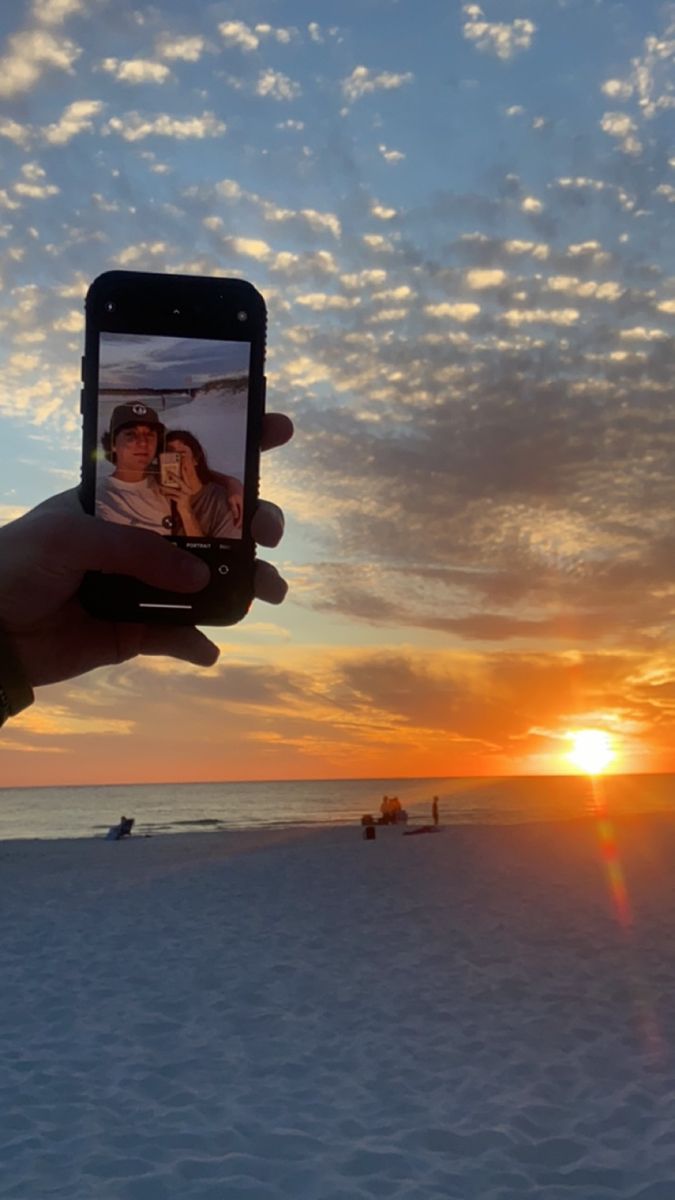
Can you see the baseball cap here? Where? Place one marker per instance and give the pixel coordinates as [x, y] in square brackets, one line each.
[135, 413]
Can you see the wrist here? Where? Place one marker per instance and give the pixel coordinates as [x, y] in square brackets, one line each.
[16, 692]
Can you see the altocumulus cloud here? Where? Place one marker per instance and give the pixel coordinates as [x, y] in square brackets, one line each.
[500, 38]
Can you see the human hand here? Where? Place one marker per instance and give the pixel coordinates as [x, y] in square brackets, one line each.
[45, 554]
[182, 493]
[235, 503]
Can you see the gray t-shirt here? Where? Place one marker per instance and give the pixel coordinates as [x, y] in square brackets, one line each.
[211, 508]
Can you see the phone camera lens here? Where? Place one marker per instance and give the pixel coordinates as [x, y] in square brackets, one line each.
[175, 312]
[110, 306]
[242, 316]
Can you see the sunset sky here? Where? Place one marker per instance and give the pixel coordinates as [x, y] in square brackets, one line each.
[461, 218]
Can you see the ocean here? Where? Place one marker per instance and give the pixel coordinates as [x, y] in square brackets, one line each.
[169, 808]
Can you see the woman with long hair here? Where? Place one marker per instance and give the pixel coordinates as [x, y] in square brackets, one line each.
[216, 500]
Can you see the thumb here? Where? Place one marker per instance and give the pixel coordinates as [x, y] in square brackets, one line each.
[81, 543]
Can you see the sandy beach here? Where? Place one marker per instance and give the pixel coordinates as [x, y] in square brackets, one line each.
[480, 1013]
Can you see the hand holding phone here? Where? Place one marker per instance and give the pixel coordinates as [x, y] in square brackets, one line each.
[173, 405]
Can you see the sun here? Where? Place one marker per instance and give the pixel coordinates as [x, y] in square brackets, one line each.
[592, 750]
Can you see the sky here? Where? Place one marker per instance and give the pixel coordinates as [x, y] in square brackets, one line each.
[460, 218]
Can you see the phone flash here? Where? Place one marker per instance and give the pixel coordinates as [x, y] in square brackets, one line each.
[242, 316]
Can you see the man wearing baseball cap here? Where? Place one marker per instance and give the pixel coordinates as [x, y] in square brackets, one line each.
[131, 496]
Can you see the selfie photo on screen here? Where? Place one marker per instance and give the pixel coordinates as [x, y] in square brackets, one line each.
[172, 434]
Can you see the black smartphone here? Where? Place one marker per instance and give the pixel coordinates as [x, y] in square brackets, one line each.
[172, 402]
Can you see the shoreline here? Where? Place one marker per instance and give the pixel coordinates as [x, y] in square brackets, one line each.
[284, 829]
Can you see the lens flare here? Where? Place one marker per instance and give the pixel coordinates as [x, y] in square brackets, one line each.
[592, 751]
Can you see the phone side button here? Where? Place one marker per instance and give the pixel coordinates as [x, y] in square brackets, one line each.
[83, 367]
[81, 400]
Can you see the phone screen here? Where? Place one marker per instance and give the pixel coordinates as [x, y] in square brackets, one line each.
[171, 436]
[172, 405]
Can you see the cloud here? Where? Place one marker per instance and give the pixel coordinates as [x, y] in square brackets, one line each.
[250, 247]
[56, 720]
[142, 251]
[639, 334]
[391, 156]
[617, 89]
[75, 119]
[363, 82]
[363, 279]
[32, 184]
[277, 86]
[572, 286]
[479, 280]
[540, 316]
[72, 322]
[239, 34]
[31, 53]
[320, 302]
[184, 49]
[499, 38]
[280, 34]
[21, 135]
[320, 222]
[382, 211]
[55, 12]
[455, 312]
[651, 72]
[530, 204]
[303, 267]
[136, 70]
[538, 250]
[134, 127]
[623, 128]
[576, 249]
[305, 219]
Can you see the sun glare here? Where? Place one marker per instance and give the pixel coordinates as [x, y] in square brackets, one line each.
[591, 751]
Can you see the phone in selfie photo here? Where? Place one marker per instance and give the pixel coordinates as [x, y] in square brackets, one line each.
[169, 469]
[172, 402]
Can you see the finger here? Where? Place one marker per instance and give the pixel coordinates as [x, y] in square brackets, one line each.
[268, 585]
[83, 543]
[267, 525]
[68, 502]
[179, 641]
[277, 430]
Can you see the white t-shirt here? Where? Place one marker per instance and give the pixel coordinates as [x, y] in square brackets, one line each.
[138, 504]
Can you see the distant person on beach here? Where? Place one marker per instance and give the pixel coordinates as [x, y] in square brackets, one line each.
[434, 810]
[117, 832]
[216, 500]
[45, 634]
[384, 810]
